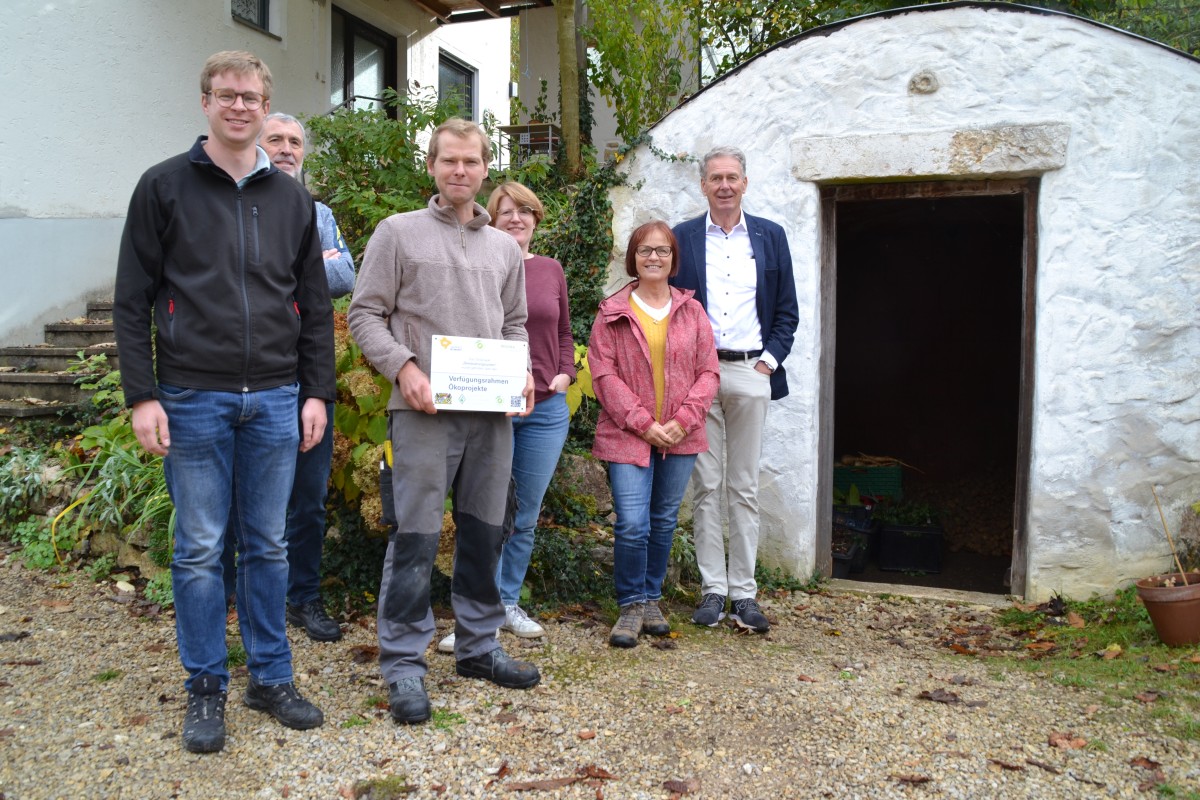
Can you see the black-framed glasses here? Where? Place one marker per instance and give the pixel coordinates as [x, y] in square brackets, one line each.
[645, 250]
[227, 97]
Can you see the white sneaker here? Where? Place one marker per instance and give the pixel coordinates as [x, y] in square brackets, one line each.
[518, 623]
[446, 645]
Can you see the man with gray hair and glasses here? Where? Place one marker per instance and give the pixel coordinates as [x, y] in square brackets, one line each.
[740, 268]
[283, 138]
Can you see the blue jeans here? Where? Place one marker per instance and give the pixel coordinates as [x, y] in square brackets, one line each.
[233, 454]
[646, 501]
[305, 532]
[537, 443]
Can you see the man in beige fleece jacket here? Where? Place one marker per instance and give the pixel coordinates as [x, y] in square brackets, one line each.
[442, 270]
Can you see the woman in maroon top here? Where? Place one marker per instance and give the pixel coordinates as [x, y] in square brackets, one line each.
[654, 369]
[538, 438]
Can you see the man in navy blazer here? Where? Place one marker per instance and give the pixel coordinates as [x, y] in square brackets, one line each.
[740, 268]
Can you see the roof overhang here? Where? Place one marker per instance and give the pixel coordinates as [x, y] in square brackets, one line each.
[451, 11]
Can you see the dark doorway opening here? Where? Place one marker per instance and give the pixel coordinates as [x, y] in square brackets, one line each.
[930, 299]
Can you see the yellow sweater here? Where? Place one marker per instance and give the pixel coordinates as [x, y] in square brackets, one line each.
[656, 338]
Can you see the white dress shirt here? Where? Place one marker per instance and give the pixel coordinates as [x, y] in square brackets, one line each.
[731, 282]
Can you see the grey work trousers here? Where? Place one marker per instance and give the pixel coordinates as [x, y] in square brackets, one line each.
[471, 452]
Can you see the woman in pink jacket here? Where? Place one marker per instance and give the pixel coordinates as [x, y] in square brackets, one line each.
[654, 370]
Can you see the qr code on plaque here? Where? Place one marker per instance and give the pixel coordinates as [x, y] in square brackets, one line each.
[516, 401]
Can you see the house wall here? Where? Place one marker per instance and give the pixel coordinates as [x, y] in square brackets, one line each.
[1097, 114]
[93, 92]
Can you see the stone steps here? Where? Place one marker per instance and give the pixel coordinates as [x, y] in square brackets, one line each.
[34, 380]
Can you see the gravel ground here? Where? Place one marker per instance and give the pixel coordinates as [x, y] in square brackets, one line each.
[826, 705]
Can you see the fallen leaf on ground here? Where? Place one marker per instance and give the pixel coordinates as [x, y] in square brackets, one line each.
[1074, 620]
[364, 653]
[1148, 696]
[682, 787]
[593, 771]
[913, 780]
[1144, 763]
[940, 696]
[674, 709]
[1110, 652]
[1040, 646]
[587, 734]
[807, 679]
[544, 785]
[1165, 667]
[664, 644]
[1067, 741]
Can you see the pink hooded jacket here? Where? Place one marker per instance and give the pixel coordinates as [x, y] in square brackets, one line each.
[619, 359]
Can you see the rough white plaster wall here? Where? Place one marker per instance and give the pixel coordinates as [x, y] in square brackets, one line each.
[1116, 405]
[92, 92]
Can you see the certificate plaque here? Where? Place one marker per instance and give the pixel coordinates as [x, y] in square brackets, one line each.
[468, 374]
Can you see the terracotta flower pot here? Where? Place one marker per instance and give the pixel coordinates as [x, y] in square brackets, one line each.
[1174, 609]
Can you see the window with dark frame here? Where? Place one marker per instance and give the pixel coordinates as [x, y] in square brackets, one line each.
[457, 80]
[255, 12]
[362, 63]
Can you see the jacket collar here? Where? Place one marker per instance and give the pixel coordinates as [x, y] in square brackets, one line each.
[446, 214]
[262, 165]
[616, 305]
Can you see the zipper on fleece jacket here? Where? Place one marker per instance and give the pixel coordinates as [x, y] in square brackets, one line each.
[245, 293]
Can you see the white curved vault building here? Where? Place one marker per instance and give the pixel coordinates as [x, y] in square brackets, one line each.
[994, 218]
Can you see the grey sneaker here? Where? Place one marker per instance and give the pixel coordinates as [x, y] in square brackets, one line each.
[407, 701]
[629, 626]
[285, 704]
[518, 623]
[204, 722]
[653, 621]
[745, 613]
[710, 611]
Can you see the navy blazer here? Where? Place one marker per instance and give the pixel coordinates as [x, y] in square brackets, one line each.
[778, 311]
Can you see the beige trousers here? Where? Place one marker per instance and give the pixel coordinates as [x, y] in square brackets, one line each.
[727, 475]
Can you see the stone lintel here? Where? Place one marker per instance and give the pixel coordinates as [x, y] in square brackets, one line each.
[1008, 151]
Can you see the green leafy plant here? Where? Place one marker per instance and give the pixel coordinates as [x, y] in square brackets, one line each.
[97, 376]
[101, 568]
[563, 569]
[107, 675]
[23, 482]
[368, 166]
[354, 721]
[160, 590]
[38, 551]
[123, 487]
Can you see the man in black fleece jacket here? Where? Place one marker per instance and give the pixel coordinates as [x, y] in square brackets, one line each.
[221, 253]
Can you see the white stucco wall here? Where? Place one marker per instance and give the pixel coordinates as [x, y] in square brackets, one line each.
[92, 92]
[1116, 403]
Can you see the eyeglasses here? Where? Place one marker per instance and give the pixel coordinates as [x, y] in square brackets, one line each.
[645, 250]
[524, 211]
[227, 97]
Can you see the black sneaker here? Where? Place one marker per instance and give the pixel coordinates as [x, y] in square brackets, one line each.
[501, 669]
[316, 622]
[408, 701]
[746, 614]
[710, 611]
[204, 722]
[283, 703]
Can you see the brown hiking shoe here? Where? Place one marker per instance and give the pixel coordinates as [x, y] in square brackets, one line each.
[629, 626]
[653, 621]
